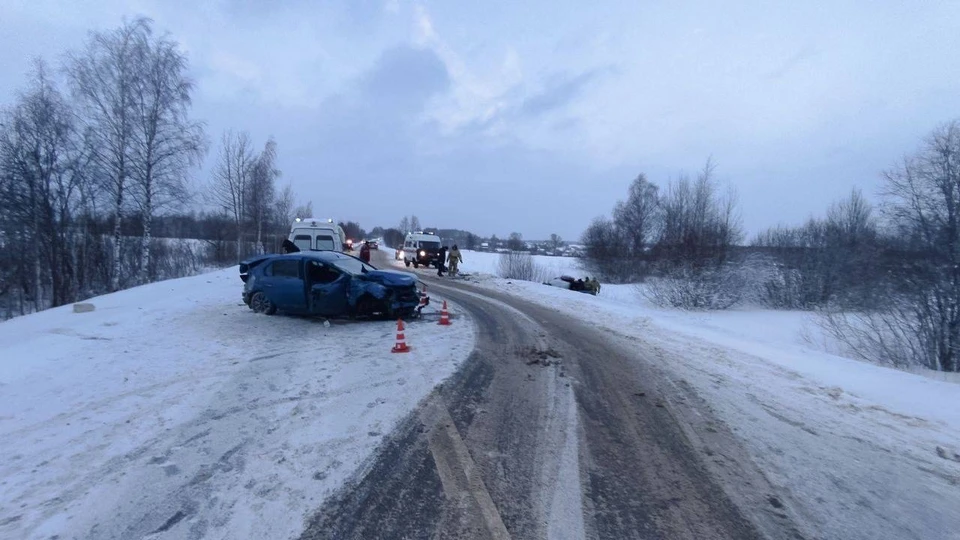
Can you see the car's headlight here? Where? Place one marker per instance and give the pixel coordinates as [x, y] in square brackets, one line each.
[423, 253]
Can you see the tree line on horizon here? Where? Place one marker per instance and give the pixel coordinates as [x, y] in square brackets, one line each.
[99, 156]
[885, 279]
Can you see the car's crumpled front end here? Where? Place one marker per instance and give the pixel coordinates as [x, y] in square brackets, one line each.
[399, 289]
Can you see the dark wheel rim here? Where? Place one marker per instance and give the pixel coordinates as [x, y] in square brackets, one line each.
[258, 303]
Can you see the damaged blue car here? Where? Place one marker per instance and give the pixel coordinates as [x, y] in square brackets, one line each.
[328, 284]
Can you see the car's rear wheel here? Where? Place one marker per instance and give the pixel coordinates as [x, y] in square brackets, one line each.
[416, 264]
[259, 303]
[406, 262]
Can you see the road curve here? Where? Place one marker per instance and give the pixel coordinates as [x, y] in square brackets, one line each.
[549, 430]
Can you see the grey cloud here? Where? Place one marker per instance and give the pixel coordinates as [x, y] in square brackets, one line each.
[370, 152]
[404, 78]
[558, 94]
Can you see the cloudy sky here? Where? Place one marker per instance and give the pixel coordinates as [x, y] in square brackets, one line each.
[534, 116]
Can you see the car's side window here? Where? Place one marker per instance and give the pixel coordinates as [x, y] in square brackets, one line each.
[321, 273]
[284, 268]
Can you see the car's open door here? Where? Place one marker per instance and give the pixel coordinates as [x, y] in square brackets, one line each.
[284, 284]
[328, 288]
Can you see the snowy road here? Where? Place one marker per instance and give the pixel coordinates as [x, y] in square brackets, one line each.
[550, 431]
[172, 411]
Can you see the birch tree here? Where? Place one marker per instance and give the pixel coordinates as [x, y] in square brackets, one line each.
[166, 143]
[261, 189]
[104, 79]
[231, 177]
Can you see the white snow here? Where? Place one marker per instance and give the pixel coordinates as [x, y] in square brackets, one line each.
[853, 445]
[173, 408]
[486, 263]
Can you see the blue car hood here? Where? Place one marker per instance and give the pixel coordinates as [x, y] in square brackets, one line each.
[390, 279]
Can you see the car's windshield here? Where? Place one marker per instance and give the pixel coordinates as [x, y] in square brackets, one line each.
[353, 266]
[429, 244]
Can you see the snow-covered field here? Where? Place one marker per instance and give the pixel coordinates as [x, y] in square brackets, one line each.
[854, 445]
[173, 410]
[479, 262]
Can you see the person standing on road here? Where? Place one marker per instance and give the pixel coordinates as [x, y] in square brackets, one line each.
[365, 252]
[440, 260]
[454, 260]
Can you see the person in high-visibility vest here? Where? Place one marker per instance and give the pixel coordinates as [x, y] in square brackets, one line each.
[454, 259]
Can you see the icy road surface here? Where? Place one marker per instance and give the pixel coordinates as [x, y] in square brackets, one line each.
[172, 411]
[851, 447]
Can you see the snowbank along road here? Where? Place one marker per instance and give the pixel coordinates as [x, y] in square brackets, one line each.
[550, 430]
[172, 411]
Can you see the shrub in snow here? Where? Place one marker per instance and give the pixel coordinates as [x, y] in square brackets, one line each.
[686, 287]
[883, 337]
[520, 265]
[905, 333]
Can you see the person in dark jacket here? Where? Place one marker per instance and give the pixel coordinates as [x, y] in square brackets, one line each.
[365, 252]
[289, 247]
[440, 260]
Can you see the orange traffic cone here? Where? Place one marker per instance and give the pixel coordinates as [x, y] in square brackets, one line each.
[444, 316]
[423, 298]
[401, 345]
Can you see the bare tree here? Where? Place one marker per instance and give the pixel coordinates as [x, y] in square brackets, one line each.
[304, 210]
[923, 202]
[515, 242]
[404, 225]
[166, 142]
[638, 217]
[414, 223]
[40, 187]
[231, 177]
[104, 78]
[699, 225]
[283, 207]
[605, 251]
[261, 189]
[555, 241]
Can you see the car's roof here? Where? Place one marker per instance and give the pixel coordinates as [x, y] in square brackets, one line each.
[326, 256]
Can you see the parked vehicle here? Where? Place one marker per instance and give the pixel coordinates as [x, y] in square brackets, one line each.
[326, 283]
[312, 234]
[421, 248]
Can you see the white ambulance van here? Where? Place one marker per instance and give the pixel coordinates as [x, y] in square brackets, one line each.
[313, 234]
[421, 248]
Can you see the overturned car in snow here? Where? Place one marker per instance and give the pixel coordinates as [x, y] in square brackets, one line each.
[327, 283]
[589, 286]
